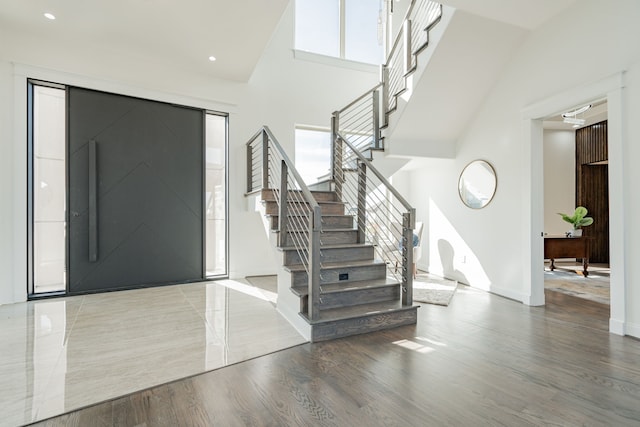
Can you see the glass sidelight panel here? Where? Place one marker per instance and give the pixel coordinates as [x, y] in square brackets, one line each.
[48, 189]
[216, 195]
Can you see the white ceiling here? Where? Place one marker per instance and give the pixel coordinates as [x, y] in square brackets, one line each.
[462, 69]
[478, 43]
[528, 14]
[160, 32]
[184, 34]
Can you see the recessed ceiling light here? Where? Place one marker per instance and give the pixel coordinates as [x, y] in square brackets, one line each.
[50, 16]
[212, 58]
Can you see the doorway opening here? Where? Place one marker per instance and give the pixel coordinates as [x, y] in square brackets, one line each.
[611, 89]
[576, 174]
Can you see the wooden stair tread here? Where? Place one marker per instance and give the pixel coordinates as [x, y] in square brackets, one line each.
[268, 194]
[333, 246]
[320, 202]
[364, 310]
[338, 265]
[323, 215]
[324, 230]
[348, 286]
[356, 294]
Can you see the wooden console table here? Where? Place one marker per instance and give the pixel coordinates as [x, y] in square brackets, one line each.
[568, 247]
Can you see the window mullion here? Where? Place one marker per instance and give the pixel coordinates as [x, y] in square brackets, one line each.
[342, 18]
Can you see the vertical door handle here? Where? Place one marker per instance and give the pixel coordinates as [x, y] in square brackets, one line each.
[93, 201]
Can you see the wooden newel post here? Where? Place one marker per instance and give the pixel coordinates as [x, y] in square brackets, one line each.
[283, 211]
[362, 201]
[315, 227]
[376, 118]
[249, 168]
[407, 47]
[336, 156]
[384, 78]
[265, 160]
[408, 224]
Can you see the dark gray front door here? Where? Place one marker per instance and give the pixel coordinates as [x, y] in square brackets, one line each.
[135, 192]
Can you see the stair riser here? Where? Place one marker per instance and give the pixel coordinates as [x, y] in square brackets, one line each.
[326, 238]
[300, 278]
[271, 208]
[361, 325]
[327, 222]
[291, 257]
[357, 297]
[320, 196]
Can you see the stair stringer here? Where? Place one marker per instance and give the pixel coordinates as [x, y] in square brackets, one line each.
[287, 304]
[436, 33]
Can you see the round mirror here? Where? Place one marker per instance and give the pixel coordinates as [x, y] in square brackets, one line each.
[477, 184]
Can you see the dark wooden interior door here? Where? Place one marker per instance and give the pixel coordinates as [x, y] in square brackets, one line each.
[592, 185]
[135, 177]
[594, 195]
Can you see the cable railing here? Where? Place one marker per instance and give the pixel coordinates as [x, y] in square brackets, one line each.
[360, 121]
[270, 170]
[411, 40]
[383, 217]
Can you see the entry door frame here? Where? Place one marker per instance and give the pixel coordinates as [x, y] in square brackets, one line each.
[19, 270]
[611, 88]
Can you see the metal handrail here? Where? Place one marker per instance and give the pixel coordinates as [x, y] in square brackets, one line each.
[303, 187]
[401, 60]
[348, 160]
[412, 39]
[299, 214]
[360, 98]
[383, 217]
[377, 173]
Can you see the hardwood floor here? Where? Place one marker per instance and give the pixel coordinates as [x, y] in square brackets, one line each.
[483, 360]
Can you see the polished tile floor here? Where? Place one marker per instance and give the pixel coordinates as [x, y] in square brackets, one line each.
[61, 354]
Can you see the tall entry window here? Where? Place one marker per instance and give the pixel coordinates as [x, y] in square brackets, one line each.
[48, 197]
[123, 192]
[216, 195]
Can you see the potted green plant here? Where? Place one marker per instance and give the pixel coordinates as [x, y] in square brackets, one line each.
[579, 219]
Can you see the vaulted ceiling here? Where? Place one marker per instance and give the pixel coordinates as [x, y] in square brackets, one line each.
[527, 14]
[182, 35]
[160, 33]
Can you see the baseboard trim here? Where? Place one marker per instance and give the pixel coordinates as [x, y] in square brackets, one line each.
[511, 294]
[619, 327]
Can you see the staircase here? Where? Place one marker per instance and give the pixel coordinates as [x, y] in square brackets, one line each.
[356, 296]
[346, 262]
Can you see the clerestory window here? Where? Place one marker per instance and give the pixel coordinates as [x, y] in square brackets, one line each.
[346, 29]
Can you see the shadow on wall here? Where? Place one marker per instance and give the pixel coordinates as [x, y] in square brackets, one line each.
[447, 253]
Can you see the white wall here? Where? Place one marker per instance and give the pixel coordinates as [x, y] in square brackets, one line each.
[631, 176]
[559, 179]
[588, 42]
[281, 93]
[6, 183]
